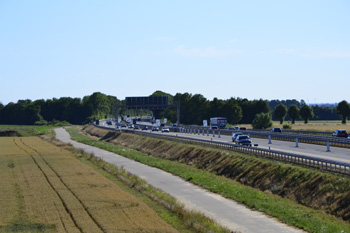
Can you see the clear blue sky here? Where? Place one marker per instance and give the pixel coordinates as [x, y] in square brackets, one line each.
[248, 49]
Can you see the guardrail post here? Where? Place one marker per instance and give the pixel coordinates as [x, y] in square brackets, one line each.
[213, 133]
[203, 131]
[199, 131]
[219, 134]
[328, 147]
[207, 132]
[296, 142]
[269, 139]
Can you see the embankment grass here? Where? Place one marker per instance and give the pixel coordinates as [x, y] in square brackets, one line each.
[286, 210]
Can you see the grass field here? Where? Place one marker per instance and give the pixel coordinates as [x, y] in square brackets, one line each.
[324, 126]
[44, 188]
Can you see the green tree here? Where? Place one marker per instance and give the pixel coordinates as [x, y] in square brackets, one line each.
[306, 113]
[232, 111]
[280, 112]
[293, 112]
[262, 121]
[343, 109]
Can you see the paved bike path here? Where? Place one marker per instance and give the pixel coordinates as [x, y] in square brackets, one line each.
[226, 212]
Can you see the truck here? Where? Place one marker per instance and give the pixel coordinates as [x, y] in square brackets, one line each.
[218, 122]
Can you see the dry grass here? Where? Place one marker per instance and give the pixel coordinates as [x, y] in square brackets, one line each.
[44, 188]
[323, 126]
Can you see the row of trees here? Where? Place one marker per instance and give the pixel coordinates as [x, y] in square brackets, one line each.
[196, 108]
[306, 112]
[193, 109]
[72, 110]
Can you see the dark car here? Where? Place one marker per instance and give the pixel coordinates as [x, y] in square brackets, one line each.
[235, 135]
[144, 127]
[243, 140]
[276, 130]
[136, 127]
[340, 133]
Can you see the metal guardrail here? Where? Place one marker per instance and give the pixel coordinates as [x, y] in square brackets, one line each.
[318, 163]
[315, 139]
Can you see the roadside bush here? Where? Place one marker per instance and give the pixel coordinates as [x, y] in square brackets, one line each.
[262, 121]
[286, 126]
[41, 122]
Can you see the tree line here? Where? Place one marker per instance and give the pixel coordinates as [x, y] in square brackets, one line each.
[65, 109]
[194, 108]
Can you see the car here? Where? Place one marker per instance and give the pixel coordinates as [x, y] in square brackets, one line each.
[162, 125]
[174, 125]
[144, 127]
[242, 128]
[233, 128]
[340, 133]
[165, 129]
[214, 127]
[123, 125]
[276, 130]
[155, 128]
[130, 126]
[136, 127]
[243, 140]
[109, 122]
[235, 135]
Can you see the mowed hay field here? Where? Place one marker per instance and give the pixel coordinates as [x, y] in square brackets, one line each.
[323, 126]
[44, 188]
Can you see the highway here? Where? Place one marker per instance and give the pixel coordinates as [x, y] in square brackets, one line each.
[317, 151]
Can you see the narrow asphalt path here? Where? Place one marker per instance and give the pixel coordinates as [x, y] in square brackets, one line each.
[226, 212]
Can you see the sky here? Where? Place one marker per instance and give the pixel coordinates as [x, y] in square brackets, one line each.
[248, 49]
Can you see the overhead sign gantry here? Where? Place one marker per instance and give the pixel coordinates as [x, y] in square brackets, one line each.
[150, 103]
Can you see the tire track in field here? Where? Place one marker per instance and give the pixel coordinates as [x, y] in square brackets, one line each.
[64, 184]
[53, 188]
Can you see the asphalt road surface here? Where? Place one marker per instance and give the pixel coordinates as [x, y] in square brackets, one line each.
[226, 212]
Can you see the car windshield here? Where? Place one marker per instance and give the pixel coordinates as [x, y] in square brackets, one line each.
[243, 137]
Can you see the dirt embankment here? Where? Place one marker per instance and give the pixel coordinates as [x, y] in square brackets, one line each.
[308, 187]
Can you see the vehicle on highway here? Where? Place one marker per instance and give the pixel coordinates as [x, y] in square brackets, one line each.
[276, 130]
[174, 125]
[144, 127]
[130, 126]
[123, 125]
[155, 128]
[233, 128]
[235, 135]
[242, 128]
[243, 140]
[165, 129]
[109, 122]
[136, 127]
[340, 133]
[218, 122]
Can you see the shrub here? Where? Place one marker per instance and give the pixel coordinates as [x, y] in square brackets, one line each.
[262, 121]
[286, 126]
